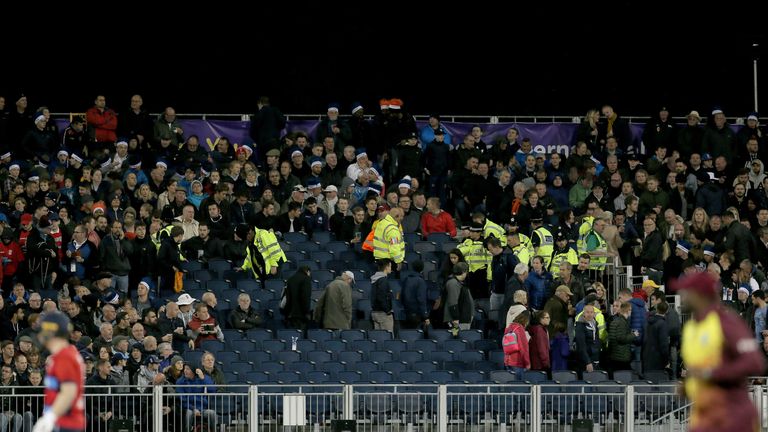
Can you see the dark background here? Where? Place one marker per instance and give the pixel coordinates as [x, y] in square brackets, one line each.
[496, 58]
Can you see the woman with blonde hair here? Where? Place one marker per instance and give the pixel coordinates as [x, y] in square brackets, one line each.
[699, 223]
[587, 131]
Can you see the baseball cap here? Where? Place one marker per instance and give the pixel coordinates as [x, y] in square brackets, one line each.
[563, 289]
[382, 207]
[350, 275]
[649, 283]
[153, 359]
[26, 218]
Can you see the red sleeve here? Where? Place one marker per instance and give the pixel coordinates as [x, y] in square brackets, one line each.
[451, 225]
[525, 351]
[741, 355]
[67, 368]
[111, 120]
[18, 253]
[92, 117]
[194, 324]
[424, 226]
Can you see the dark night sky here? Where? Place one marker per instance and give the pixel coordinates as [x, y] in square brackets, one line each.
[521, 60]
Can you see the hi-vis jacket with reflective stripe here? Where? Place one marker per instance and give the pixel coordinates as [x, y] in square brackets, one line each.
[388, 240]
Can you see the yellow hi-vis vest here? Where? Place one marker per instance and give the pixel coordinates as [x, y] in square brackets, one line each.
[492, 229]
[602, 331]
[158, 237]
[388, 240]
[598, 257]
[253, 263]
[558, 257]
[267, 244]
[546, 244]
[526, 241]
[701, 348]
[522, 253]
[476, 254]
[584, 229]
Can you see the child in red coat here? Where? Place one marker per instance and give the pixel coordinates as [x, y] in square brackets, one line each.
[516, 345]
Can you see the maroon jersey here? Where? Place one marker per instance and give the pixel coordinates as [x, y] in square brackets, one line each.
[66, 366]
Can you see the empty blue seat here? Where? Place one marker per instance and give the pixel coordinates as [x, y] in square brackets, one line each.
[317, 377]
[287, 377]
[334, 345]
[256, 377]
[305, 345]
[410, 377]
[272, 367]
[348, 377]
[332, 367]
[226, 357]
[310, 247]
[217, 286]
[380, 356]
[597, 376]
[232, 335]
[410, 356]
[259, 334]
[312, 265]
[287, 357]
[470, 356]
[455, 345]
[394, 345]
[502, 376]
[320, 335]
[219, 265]
[380, 376]
[439, 377]
[240, 368]
[471, 335]
[295, 237]
[273, 346]
[302, 367]
[295, 256]
[441, 335]
[191, 266]
[203, 275]
[496, 357]
[423, 345]
[364, 346]
[248, 285]
[424, 367]
[337, 266]
[188, 285]
[193, 357]
[424, 246]
[410, 335]
[439, 238]
[486, 345]
[364, 367]
[322, 237]
[352, 335]
[255, 357]
[534, 377]
[393, 366]
[379, 335]
[472, 376]
[337, 247]
[454, 366]
[484, 366]
[564, 377]
[319, 357]
[213, 346]
[322, 257]
[441, 356]
[350, 357]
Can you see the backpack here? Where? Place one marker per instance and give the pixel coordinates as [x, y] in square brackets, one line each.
[510, 342]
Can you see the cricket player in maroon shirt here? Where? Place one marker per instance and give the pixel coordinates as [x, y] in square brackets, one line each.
[64, 377]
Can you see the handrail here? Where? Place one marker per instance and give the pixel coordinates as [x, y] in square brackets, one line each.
[671, 413]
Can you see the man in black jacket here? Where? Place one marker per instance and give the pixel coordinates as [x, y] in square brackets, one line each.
[173, 329]
[652, 256]
[298, 292]
[381, 298]
[656, 340]
[41, 255]
[114, 251]
[244, 316]
[169, 260]
[266, 125]
[202, 247]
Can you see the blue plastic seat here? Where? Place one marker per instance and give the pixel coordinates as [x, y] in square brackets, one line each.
[287, 334]
[317, 377]
[302, 367]
[272, 367]
[410, 335]
[454, 366]
[217, 286]
[423, 345]
[334, 345]
[424, 367]
[424, 246]
[470, 356]
[294, 238]
[484, 366]
[287, 357]
[203, 275]
[379, 335]
[241, 368]
[394, 345]
[337, 247]
[255, 357]
[393, 366]
[364, 367]
[322, 237]
[364, 346]
[273, 346]
[348, 377]
[363, 309]
[380, 377]
[352, 335]
[295, 256]
[486, 345]
[439, 238]
[248, 285]
[439, 377]
[410, 377]
[193, 357]
[410, 356]
[471, 335]
[441, 335]
[350, 357]
[305, 346]
[256, 377]
[319, 357]
[320, 335]
[455, 345]
[226, 357]
[472, 376]
[332, 367]
[534, 377]
[502, 376]
[191, 266]
[322, 257]
[288, 377]
[219, 266]
[188, 285]
[441, 356]
[380, 356]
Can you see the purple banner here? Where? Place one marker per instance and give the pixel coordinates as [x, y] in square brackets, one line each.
[546, 137]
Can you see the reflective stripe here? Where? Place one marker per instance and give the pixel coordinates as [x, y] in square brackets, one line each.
[492, 229]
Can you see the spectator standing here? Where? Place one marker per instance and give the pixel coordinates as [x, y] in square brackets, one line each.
[656, 341]
[334, 309]
[298, 292]
[620, 338]
[516, 345]
[539, 344]
[587, 341]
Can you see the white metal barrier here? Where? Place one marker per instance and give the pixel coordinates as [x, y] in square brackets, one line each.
[642, 406]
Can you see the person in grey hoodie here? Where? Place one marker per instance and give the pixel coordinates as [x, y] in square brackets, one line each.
[459, 305]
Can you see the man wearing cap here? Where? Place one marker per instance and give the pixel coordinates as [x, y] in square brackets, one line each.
[750, 129]
[689, 138]
[562, 252]
[334, 309]
[330, 198]
[37, 143]
[42, 255]
[660, 130]
[719, 139]
[719, 352]
[542, 240]
[334, 126]
[478, 258]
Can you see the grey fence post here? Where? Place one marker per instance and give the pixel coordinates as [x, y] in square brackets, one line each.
[536, 415]
[442, 408]
[253, 408]
[157, 408]
[629, 409]
[348, 410]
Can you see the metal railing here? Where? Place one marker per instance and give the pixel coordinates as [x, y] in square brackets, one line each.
[372, 407]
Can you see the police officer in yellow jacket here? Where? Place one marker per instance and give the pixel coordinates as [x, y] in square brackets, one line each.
[596, 246]
[521, 241]
[478, 258]
[562, 252]
[542, 240]
[388, 241]
[489, 228]
[264, 255]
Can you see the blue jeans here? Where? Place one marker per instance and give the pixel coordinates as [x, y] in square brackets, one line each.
[519, 372]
